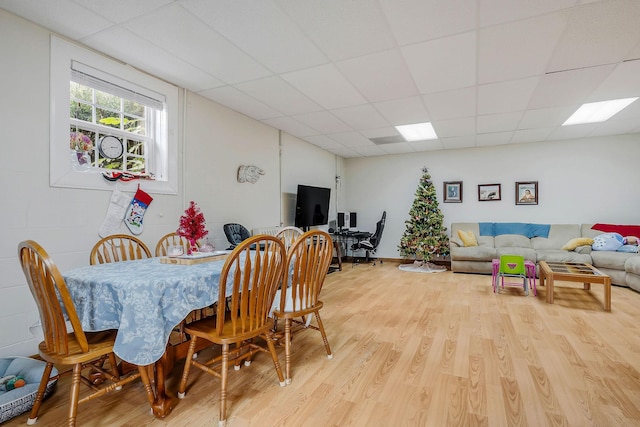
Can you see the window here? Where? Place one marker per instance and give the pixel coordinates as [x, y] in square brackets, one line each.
[93, 97]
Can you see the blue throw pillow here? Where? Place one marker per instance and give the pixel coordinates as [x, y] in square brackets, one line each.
[628, 248]
[607, 242]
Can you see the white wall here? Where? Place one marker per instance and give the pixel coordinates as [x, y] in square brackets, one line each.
[579, 181]
[213, 143]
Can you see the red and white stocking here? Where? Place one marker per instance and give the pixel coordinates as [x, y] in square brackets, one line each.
[135, 212]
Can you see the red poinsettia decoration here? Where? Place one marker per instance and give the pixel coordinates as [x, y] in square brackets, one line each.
[192, 226]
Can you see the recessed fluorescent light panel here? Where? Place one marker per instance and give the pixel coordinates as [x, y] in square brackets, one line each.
[596, 112]
[417, 132]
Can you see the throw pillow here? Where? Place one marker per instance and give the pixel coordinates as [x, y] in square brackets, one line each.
[578, 241]
[468, 238]
[607, 242]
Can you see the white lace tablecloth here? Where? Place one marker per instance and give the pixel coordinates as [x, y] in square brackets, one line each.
[143, 299]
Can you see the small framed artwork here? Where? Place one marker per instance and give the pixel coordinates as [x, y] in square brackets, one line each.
[527, 193]
[489, 192]
[453, 192]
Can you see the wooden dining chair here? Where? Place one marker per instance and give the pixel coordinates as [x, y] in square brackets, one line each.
[171, 239]
[250, 279]
[118, 247]
[308, 264]
[77, 348]
[288, 235]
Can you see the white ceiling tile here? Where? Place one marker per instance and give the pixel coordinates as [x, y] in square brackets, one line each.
[493, 12]
[506, 96]
[623, 82]
[531, 135]
[397, 148]
[431, 145]
[360, 117]
[240, 102]
[197, 44]
[146, 56]
[403, 111]
[380, 76]
[351, 139]
[451, 104]
[545, 117]
[517, 49]
[314, 82]
[443, 64]
[413, 21]
[490, 139]
[261, 29]
[598, 33]
[373, 150]
[614, 127]
[120, 11]
[568, 87]
[500, 122]
[457, 142]
[572, 132]
[455, 127]
[279, 95]
[54, 15]
[323, 141]
[291, 126]
[342, 29]
[323, 121]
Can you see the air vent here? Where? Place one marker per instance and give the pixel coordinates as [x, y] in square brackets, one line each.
[387, 139]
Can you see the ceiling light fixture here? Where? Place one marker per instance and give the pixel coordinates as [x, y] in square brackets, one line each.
[596, 112]
[417, 132]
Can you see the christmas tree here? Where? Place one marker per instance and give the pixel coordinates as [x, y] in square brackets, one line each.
[192, 226]
[425, 236]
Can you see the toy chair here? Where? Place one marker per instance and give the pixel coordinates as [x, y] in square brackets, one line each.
[511, 266]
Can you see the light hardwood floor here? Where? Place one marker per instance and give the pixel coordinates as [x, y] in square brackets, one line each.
[414, 349]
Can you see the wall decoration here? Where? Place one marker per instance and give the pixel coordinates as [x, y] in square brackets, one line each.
[527, 193]
[489, 192]
[249, 173]
[452, 192]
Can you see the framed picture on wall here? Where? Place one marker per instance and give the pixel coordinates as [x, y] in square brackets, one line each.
[489, 192]
[527, 193]
[452, 192]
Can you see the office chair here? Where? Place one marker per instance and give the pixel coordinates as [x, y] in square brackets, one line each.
[371, 244]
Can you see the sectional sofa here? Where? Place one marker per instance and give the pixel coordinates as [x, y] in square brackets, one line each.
[537, 242]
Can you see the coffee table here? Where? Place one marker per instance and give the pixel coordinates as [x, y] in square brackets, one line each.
[574, 272]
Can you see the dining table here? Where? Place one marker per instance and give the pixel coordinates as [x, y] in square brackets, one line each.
[144, 300]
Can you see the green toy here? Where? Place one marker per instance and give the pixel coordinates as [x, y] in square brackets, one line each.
[11, 382]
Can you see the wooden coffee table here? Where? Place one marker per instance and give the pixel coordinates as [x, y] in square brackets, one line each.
[574, 272]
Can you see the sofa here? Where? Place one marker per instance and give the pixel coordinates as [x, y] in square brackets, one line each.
[538, 242]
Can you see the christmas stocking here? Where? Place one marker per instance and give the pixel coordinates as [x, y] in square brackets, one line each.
[115, 213]
[136, 210]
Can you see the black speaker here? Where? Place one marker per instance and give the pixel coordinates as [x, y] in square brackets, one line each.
[353, 220]
[340, 220]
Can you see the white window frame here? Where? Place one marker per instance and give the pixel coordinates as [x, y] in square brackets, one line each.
[165, 158]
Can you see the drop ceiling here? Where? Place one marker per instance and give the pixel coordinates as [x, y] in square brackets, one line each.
[341, 74]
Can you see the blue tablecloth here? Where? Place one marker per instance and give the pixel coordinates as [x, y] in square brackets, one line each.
[143, 299]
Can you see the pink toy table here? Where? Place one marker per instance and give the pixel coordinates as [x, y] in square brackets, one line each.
[529, 266]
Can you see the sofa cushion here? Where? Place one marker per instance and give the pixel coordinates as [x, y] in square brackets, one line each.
[632, 265]
[512, 241]
[558, 255]
[468, 238]
[610, 259]
[559, 234]
[473, 253]
[577, 241]
[527, 253]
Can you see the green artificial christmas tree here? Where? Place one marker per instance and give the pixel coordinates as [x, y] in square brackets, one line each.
[425, 236]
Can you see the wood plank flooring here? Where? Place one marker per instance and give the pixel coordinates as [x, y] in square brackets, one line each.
[415, 349]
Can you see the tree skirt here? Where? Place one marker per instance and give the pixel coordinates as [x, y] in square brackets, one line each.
[422, 267]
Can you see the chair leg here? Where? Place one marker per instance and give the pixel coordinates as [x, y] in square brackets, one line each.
[144, 377]
[223, 385]
[276, 363]
[287, 350]
[187, 366]
[75, 394]
[33, 416]
[324, 335]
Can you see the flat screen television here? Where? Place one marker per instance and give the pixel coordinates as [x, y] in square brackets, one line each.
[312, 206]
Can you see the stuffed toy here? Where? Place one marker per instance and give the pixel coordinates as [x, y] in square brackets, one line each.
[11, 382]
[630, 244]
[607, 242]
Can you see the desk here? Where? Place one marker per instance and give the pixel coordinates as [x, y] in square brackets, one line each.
[144, 300]
[348, 238]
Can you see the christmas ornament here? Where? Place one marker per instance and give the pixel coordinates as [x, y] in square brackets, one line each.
[135, 212]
